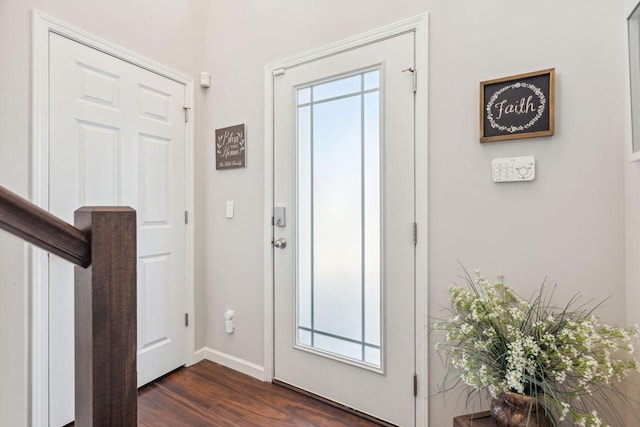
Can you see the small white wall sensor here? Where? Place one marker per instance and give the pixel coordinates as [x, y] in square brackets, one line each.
[205, 79]
[228, 321]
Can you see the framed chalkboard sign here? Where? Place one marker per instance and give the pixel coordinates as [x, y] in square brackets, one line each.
[231, 147]
[519, 106]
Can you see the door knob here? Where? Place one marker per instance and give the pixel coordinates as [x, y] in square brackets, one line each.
[280, 243]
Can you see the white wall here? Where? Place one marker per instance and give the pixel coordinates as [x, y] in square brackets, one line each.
[632, 210]
[567, 224]
[166, 31]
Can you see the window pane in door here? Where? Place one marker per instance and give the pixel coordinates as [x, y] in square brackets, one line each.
[304, 215]
[304, 96]
[338, 217]
[372, 80]
[338, 346]
[339, 87]
[371, 203]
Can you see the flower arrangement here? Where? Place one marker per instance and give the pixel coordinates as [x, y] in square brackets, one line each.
[563, 357]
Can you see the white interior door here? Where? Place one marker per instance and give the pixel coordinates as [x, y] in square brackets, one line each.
[344, 281]
[117, 137]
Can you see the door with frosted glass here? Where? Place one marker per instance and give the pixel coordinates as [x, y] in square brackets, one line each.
[344, 257]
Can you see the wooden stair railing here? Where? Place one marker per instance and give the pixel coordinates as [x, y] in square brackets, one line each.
[103, 248]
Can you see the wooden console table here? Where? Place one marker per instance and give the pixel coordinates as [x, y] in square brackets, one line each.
[480, 419]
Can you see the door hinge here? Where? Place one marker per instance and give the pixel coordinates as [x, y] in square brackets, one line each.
[415, 385]
[186, 217]
[415, 77]
[415, 80]
[186, 319]
[186, 114]
[415, 233]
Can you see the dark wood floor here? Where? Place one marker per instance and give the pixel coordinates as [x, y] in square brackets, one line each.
[208, 394]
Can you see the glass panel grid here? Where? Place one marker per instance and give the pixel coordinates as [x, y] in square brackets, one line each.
[336, 88]
[339, 209]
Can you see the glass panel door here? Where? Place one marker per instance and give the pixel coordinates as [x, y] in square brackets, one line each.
[344, 259]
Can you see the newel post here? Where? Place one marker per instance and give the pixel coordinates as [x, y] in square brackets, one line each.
[105, 320]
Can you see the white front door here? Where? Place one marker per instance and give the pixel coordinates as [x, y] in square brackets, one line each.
[344, 281]
[117, 137]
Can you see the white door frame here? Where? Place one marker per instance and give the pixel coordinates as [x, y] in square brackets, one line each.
[42, 25]
[418, 25]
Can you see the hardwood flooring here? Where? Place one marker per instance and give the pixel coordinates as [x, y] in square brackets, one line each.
[208, 394]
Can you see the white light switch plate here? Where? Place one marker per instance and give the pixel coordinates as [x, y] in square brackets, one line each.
[229, 208]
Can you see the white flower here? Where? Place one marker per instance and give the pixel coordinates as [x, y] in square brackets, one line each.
[500, 342]
[565, 410]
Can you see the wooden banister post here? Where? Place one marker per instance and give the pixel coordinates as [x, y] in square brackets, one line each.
[105, 301]
[105, 320]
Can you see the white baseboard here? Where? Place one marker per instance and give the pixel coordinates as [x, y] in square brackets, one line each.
[232, 362]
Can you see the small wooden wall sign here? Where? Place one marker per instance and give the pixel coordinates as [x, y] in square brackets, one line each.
[231, 147]
[519, 106]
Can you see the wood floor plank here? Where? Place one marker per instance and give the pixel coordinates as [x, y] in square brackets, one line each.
[308, 409]
[250, 410]
[195, 388]
[158, 407]
[229, 378]
[211, 395]
[322, 415]
[208, 394]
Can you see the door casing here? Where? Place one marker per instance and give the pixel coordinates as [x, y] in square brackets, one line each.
[418, 25]
[42, 25]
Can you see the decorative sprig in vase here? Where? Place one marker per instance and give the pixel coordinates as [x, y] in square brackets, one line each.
[563, 358]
